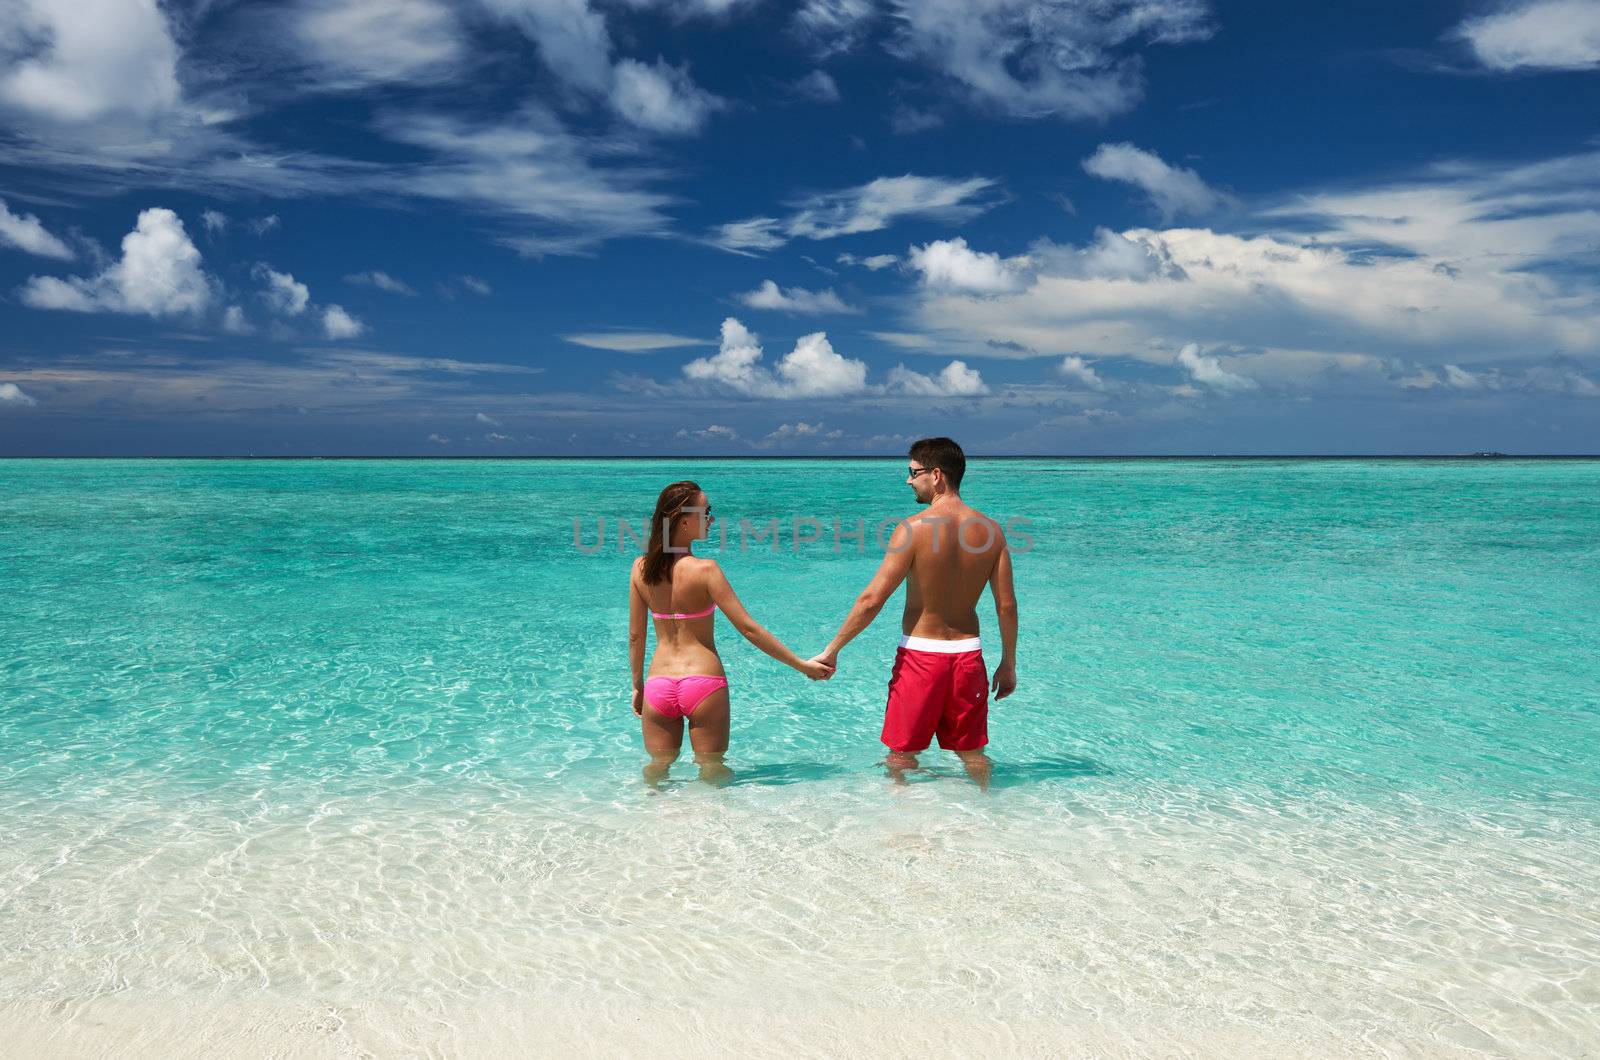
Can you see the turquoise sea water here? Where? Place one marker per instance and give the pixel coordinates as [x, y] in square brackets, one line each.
[1298, 746]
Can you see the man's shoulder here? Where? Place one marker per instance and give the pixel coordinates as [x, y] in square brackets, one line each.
[984, 517]
[928, 520]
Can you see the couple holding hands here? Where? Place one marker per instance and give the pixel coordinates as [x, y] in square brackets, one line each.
[939, 685]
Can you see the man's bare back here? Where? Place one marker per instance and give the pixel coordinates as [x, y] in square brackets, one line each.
[945, 555]
[954, 552]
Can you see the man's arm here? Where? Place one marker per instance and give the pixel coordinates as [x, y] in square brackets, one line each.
[891, 572]
[1005, 609]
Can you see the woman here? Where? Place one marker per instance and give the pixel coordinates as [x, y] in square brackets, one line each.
[682, 592]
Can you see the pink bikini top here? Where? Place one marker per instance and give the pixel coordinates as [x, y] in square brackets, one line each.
[680, 614]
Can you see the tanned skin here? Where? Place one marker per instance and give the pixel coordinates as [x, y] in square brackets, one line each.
[688, 646]
[945, 575]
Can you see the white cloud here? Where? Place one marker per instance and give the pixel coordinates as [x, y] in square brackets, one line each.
[12, 394]
[216, 221]
[495, 436]
[90, 60]
[450, 289]
[833, 26]
[790, 432]
[571, 37]
[793, 430]
[1561, 379]
[283, 294]
[795, 300]
[908, 121]
[1209, 371]
[486, 419]
[1112, 256]
[321, 379]
[1466, 263]
[337, 324]
[438, 439]
[234, 322]
[681, 10]
[874, 263]
[381, 281]
[159, 274]
[818, 85]
[869, 207]
[954, 380]
[575, 44]
[811, 369]
[877, 204]
[755, 233]
[1036, 58]
[904, 339]
[289, 297]
[950, 265]
[1081, 371]
[814, 369]
[1541, 35]
[712, 433]
[1554, 377]
[26, 232]
[1172, 190]
[262, 225]
[356, 43]
[529, 169]
[632, 341]
[1465, 217]
[660, 98]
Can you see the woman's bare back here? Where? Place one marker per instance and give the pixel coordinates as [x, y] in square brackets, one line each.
[683, 645]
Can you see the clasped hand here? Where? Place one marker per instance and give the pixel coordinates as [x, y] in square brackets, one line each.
[820, 667]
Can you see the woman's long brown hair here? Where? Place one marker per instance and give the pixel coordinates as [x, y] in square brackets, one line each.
[673, 500]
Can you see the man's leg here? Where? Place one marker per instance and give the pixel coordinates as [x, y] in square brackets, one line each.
[978, 766]
[912, 713]
[900, 763]
[964, 728]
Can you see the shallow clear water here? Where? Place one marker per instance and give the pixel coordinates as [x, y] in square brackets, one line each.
[1302, 746]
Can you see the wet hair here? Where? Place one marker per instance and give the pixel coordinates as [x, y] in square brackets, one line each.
[943, 454]
[673, 500]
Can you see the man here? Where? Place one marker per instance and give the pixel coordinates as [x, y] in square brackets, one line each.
[946, 556]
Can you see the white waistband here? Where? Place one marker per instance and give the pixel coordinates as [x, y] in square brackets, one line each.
[948, 646]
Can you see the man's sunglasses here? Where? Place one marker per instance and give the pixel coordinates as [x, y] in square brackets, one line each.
[913, 472]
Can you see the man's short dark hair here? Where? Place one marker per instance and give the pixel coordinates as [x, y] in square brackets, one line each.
[943, 454]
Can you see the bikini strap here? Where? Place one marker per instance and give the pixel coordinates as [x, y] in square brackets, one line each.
[680, 614]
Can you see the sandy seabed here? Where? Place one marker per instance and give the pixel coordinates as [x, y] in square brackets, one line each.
[128, 1028]
[700, 925]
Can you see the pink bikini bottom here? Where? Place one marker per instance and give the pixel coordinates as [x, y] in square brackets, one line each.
[676, 697]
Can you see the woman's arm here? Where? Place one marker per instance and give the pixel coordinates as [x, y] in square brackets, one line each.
[723, 596]
[637, 609]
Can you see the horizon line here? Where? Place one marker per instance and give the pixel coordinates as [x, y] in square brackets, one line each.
[1486, 455]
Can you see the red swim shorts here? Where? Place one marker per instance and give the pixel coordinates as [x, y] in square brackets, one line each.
[938, 686]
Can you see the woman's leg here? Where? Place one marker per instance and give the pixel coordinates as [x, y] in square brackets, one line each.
[708, 735]
[663, 739]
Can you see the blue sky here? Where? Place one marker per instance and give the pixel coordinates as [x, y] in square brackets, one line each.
[469, 227]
